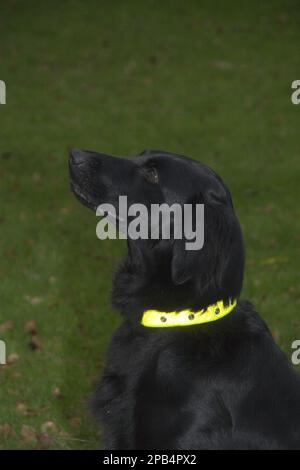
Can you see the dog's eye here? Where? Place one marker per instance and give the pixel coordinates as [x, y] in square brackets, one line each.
[151, 175]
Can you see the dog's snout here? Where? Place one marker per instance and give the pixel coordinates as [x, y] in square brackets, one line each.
[77, 156]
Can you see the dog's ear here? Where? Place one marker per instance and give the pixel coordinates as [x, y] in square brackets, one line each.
[187, 265]
[218, 266]
[231, 258]
[136, 255]
[192, 264]
[180, 266]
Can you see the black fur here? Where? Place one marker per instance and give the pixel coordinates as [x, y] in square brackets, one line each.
[220, 385]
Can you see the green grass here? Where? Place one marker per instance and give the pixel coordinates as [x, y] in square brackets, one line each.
[207, 79]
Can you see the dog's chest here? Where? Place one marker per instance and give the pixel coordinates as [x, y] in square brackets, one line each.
[127, 360]
[147, 383]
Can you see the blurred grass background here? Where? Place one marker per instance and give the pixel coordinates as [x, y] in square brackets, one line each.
[208, 79]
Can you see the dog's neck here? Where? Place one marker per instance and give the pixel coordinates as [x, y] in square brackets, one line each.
[137, 289]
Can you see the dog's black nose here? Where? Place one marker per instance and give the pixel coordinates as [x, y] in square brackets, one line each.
[77, 156]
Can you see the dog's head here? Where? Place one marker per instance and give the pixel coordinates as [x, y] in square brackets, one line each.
[155, 177]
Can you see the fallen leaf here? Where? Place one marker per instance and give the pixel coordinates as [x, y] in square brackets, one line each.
[28, 433]
[11, 253]
[17, 375]
[30, 327]
[269, 261]
[222, 65]
[5, 430]
[273, 243]
[22, 408]
[65, 435]
[220, 29]
[40, 216]
[148, 81]
[15, 187]
[33, 300]
[283, 18]
[276, 335]
[6, 326]
[12, 358]
[45, 441]
[66, 210]
[56, 392]
[48, 426]
[130, 68]
[35, 343]
[268, 208]
[75, 422]
[36, 178]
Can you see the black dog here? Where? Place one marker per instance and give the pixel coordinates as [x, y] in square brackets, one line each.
[217, 385]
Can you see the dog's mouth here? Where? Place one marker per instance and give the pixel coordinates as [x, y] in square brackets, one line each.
[87, 201]
[83, 197]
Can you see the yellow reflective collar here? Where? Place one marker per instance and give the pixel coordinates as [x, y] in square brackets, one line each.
[158, 319]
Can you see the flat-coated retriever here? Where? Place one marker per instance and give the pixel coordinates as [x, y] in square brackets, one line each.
[214, 385]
